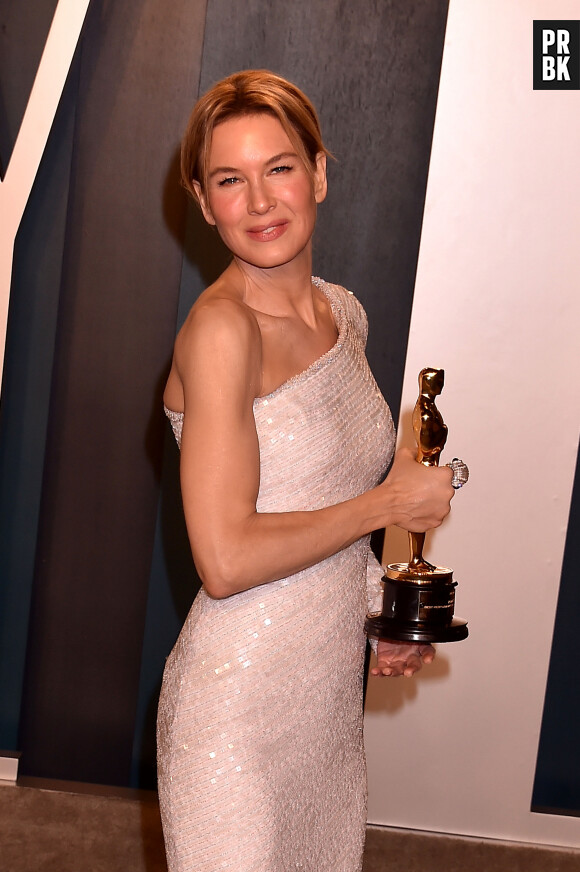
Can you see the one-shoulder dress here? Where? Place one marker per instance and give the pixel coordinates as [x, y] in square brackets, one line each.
[261, 763]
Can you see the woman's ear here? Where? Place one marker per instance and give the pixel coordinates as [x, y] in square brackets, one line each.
[202, 200]
[320, 183]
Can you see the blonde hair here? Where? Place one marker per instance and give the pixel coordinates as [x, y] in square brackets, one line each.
[250, 92]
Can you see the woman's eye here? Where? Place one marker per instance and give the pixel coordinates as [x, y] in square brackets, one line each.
[230, 180]
[281, 169]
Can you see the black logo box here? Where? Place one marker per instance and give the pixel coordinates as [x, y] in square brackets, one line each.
[573, 64]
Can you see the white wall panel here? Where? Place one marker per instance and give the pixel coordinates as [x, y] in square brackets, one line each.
[33, 134]
[497, 306]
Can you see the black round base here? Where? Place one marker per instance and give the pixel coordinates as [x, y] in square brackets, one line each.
[387, 628]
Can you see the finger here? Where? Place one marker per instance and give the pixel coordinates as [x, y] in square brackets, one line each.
[414, 660]
[427, 653]
[385, 672]
[412, 666]
[388, 670]
[443, 471]
[398, 668]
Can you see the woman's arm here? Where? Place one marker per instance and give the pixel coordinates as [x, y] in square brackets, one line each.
[218, 360]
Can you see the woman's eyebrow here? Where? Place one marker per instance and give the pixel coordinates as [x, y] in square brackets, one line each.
[218, 170]
[281, 156]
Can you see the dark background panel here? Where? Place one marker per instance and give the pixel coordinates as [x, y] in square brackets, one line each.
[28, 360]
[118, 304]
[24, 26]
[557, 781]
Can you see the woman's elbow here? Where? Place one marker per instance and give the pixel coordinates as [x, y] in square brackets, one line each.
[221, 578]
[217, 588]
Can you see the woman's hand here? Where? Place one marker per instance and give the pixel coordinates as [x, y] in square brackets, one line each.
[401, 658]
[419, 495]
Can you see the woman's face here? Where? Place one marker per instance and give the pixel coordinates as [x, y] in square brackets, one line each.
[259, 194]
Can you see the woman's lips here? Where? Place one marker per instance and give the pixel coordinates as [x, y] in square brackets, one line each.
[268, 232]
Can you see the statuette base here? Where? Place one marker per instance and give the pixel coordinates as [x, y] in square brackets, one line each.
[418, 606]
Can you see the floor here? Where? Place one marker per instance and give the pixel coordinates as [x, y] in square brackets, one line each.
[74, 830]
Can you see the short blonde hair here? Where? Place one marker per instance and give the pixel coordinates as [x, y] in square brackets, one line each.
[250, 92]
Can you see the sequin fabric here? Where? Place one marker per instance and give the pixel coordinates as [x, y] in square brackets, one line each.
[260, 746]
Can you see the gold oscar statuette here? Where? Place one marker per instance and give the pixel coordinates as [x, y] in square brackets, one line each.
[419, 598]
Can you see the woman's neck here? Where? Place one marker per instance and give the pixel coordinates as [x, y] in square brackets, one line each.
[281, 291]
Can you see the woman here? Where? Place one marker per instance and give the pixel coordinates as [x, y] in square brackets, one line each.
[284, 439]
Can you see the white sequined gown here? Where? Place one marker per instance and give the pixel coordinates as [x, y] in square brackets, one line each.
[260, 747]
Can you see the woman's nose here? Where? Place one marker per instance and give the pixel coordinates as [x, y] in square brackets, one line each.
[260, 198]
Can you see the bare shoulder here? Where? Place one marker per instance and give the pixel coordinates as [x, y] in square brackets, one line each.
[220, 339]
